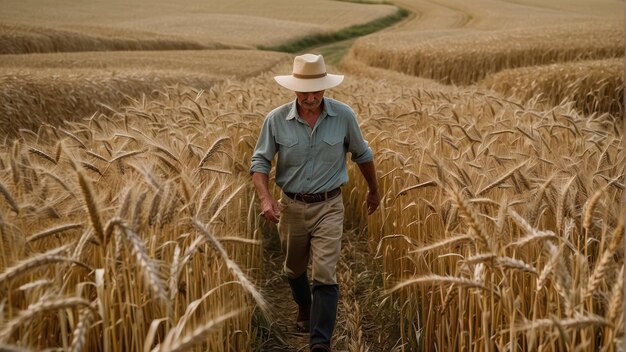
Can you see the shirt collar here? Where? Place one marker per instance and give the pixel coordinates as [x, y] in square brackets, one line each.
[327, 110]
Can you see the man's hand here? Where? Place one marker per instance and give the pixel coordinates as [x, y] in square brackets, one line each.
[369, 173]
[373, 200]
[269, 205]
[269, 209]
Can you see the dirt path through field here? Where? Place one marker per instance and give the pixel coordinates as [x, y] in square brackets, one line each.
[361, 326]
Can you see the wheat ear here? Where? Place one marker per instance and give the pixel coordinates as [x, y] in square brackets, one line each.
[149, 268]
[560, 205]
[570, 323]
[173, 279]
[549, 267]
[137, 213]
[471, 218]
[213, 149]
[9, 198]
[234, 268]
[198, 334]
[52, 231]
[443, 243]
[34, 309]
[154, 208]
[79, 336]
[176, 331]
[602, 267]
[92, 207]
[35, 262]
[590, 206]
[42, 154]
[225, 202]
[501, 178]
[453, 280]
[616, 301]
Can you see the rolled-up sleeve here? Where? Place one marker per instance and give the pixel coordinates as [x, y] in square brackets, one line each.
[357, 145]
[264, 151]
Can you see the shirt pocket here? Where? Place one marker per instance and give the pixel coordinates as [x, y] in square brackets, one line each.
[332, 148]
[289, 151]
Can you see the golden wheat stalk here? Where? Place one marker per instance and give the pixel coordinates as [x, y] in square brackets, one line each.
[173, 279]
[241, 240]
[79, 337]
[60, 182]
[616, 300]
[35, 262]
[404, 191]
[443, 243]
[177, 330]
[225, 202]
[42, 154]
[603, 266]
[49, 304]
[10, 348]
[233, 267]
[92, 207]
[154, 208]
[535, 234]
[197, 335]
[214, 148]
[549, 267]
[9, 198]
[126, 155]
[470, 216]
[502, 178]
[148, 266]
[430, 279]
[589, 207]
[578, 322]
[52, 231]
[406, 238]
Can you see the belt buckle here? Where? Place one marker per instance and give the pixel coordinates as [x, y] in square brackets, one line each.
[310, 198]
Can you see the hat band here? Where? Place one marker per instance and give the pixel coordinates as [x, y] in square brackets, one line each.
[297, 75]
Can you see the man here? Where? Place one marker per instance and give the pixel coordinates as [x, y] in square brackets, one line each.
[311, 135]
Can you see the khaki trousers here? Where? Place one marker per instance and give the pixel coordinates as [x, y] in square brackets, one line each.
[311, 231]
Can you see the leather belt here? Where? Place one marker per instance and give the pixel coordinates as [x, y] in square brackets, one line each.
[315, 197]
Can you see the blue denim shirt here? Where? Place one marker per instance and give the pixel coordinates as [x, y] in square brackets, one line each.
[310, 160]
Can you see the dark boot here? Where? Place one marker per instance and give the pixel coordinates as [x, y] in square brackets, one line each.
[323, 314]
[301, 292]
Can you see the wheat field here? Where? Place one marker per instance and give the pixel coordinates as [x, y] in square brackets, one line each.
[94, 82]
[193, 24]
[593, 85]
[128, 221]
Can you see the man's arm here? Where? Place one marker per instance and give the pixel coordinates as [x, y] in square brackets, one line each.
[369, 173]
[269, 205]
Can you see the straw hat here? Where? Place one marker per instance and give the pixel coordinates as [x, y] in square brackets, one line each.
[309, 75]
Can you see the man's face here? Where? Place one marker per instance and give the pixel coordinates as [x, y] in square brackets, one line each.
[310, 100]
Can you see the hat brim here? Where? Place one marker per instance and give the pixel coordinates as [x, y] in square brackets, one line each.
[309, 85]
